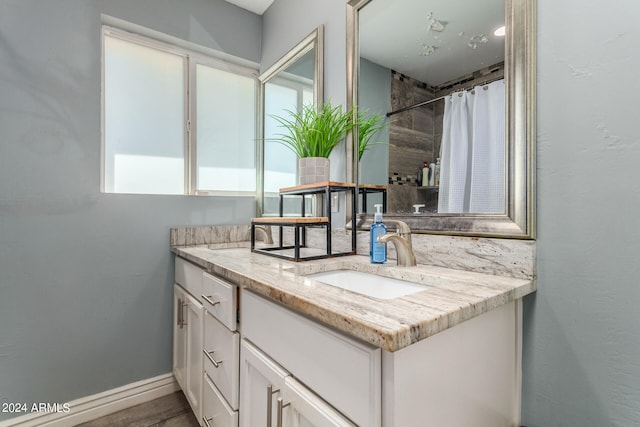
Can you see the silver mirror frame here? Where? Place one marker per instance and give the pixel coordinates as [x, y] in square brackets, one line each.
[520, 78]
[313, 40]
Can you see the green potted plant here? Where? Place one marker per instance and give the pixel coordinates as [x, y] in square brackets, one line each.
[312, 134]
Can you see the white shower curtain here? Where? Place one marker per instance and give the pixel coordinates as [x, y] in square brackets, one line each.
[472, 159]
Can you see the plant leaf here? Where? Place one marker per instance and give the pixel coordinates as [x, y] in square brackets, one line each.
[311, 132]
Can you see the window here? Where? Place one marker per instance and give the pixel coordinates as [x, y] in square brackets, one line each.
[175, 121]
[225, 119]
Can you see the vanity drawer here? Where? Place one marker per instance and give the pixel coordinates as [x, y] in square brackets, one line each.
[341, 370]
[222, 358]
[220, 299]
[189, 277]
[215, 411]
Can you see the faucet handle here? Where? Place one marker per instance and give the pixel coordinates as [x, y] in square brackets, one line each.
[402, 228]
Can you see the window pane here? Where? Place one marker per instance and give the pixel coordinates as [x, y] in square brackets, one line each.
[144, 119]
[280, 162]
[225, 130]
[307, 96]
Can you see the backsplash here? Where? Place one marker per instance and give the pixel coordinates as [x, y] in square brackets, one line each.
[208, 234]
[502, 257]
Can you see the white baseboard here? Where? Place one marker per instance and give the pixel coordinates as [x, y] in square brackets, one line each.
[98, 405]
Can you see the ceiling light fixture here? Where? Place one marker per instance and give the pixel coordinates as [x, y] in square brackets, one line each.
[500, 32]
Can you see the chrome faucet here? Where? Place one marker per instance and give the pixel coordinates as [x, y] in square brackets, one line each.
[267, 236]
[401, 239]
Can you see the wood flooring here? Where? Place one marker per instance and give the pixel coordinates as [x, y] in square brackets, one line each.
[172, 410]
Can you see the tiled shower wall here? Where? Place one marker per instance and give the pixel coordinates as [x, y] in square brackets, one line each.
[411, 143]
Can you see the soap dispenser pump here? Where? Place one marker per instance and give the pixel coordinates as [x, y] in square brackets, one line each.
[378, 251]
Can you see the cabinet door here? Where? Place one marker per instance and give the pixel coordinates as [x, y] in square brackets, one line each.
[300, 407]
[261, 384]
[179, 337]
[193, 389]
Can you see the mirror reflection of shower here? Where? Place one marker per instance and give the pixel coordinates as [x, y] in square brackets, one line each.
[409, 75]
[447, 153]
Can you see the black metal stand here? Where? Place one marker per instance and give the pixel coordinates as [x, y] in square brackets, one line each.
[301, 223]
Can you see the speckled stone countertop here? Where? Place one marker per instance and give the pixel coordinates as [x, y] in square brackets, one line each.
[453, 297]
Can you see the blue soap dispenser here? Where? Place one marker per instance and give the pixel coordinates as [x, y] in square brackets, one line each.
[378, 251]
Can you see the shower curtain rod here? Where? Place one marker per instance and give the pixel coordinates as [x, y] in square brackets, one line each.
[423, 103]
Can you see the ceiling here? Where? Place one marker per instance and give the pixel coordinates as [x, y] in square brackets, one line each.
[403, 35]
[398, 35]
[255, 6]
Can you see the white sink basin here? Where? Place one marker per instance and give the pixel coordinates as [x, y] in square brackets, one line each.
[368, 284]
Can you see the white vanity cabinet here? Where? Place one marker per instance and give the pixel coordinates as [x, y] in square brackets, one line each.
[279, 368]
[221, 351]
[216, 411]
[261, 384]
[282, 350]
[179, 337]
[467, 375]
[272, 397]
[206, 345]
[187, 346]
[300, 407]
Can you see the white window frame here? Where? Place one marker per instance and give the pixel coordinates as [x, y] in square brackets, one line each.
[191, 58]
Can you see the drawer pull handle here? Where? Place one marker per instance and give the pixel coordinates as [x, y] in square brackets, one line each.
[183, 322]
[206, 421]
[209, 355]
[179, 313]
[208, 299]
[270, 393]
[281, 406]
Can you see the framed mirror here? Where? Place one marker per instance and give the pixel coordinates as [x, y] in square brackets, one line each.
[293, 81]
[457, 153]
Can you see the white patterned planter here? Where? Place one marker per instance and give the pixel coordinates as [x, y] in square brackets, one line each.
[312, 170]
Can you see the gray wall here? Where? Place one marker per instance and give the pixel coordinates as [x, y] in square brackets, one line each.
[582, 328]
[374, 96]
[286, 23]
[86, 278]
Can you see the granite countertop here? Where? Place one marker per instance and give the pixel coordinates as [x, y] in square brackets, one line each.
[392, 324]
